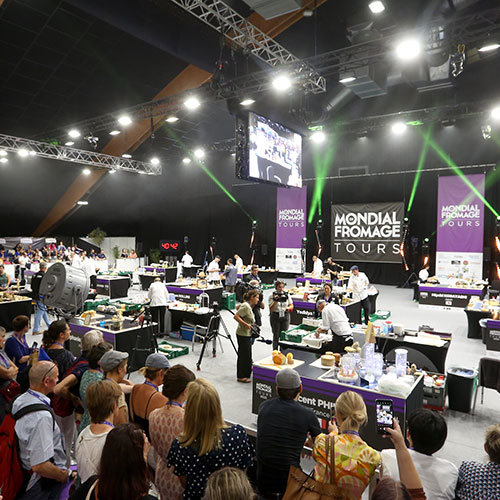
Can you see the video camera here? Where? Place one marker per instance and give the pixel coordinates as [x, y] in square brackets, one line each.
[280, 296]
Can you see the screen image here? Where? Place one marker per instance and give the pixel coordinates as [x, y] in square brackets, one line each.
[275, 152]
[384, 413]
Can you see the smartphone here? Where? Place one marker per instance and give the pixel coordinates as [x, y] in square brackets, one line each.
[385, 415]
[34, 346]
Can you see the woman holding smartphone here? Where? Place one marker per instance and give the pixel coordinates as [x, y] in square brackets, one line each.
[352, 475]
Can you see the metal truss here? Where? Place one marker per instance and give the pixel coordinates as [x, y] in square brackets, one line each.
[240, 32]
[64, 153]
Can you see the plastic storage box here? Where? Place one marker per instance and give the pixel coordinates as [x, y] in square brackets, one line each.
[174, 351]
[435, 397]
[229, 300]
[293, 336]
[187, 332]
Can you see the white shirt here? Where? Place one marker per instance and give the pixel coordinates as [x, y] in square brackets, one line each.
[187, 260]
[88, 452]
[77, 261]
[318, 267]
[438, 476]
[158, 294]
[334, 318]
[213, 270]
[423, 275]
[359, 285]
[239, 264]
[88, 266]
[22, 260]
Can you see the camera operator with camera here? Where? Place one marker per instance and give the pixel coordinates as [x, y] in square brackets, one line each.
[280, 305]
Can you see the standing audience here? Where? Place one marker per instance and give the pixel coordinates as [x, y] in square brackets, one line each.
[41, 309]
[53, 343]
[9, 388]
[114, 366]
[228, 483]
[280, 306]
[17, 347]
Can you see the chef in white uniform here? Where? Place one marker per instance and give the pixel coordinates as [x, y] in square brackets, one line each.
[317, 266]
[334, 318]
[359, 284]
[187, 262]
[213, 269]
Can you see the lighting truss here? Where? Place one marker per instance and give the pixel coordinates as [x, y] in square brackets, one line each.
[240, 32]
[65, 153]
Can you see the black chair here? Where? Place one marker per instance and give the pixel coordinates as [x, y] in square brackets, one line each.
[489, 377]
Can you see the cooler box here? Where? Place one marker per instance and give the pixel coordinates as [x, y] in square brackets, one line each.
[187, 332]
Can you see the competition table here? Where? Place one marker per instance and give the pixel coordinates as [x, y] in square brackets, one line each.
[446, 297]
[301, 281]
[189, 294]
[147, 279]
[9, 310]
[306, 309]
[115, 287]
[169, 273]
[492, 335]
[320, 396]
[474, 314]
[178, 317]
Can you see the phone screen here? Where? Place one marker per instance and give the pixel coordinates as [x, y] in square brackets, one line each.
[385, 417]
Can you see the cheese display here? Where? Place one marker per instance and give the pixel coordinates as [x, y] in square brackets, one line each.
[328, 359]
[279, 358]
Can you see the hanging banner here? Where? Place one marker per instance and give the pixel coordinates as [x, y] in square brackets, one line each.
[290, 229]
[367, 232]
[460, 228]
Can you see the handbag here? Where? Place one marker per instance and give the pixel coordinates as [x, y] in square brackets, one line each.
[302, 486]
[12, 390]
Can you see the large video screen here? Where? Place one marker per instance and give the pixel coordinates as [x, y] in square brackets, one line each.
[275, 152]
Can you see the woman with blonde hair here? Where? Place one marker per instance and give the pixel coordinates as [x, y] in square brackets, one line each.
[229, 483]
[355, 461]
[206, 444]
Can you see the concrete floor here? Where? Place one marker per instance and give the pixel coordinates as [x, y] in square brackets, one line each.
[465, 431]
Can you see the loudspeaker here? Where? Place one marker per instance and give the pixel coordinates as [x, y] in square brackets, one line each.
[263, 249]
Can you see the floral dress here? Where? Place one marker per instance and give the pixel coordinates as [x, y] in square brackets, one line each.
[88, 378]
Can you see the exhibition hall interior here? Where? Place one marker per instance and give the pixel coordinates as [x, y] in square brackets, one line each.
[249, 249]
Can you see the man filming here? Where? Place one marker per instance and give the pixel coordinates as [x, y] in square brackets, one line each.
[280, 305]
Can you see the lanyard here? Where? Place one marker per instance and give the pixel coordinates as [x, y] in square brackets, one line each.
[22, 342]
[351, 432]
[146, 382]
[105, 422]
[173, 403]
[60, 345]
[33, 393]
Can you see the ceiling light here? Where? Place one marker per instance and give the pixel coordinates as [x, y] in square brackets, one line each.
[4, 160]
[126, 155]
[155, 161]
[233, 154]
[124, 120]
[23, 152]
[142, 172]
[69, 143]
[318, 137]
[408, 49]
[347, 79]
[82, 202]
[192, 103]
[186, 160]
[171, 119]
[495, 113]
[112, 171]
[86, 171]
[489, 46]
[3, 152]
[32, 153]
[199, 153]
[247, 102]
[282, 82]
[114, 132]
[398, 128]
[376, 7]
[73, 133]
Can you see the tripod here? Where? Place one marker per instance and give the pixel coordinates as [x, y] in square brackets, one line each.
[407, 282]
[148, 333]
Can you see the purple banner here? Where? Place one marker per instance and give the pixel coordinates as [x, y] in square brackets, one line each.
[460, 217]
[291, 217]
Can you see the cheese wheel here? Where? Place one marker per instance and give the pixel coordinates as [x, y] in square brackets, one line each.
[279, 359]
[327, 360]
[289, 358]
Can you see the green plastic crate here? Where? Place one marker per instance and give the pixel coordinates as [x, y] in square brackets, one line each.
[380, 315]
[290, 336]
[229, 300]
[172, 354]
[91, 305]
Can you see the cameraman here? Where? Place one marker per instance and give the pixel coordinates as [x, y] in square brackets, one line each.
[280, 305]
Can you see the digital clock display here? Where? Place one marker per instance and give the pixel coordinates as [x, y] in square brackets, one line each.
[170, 246]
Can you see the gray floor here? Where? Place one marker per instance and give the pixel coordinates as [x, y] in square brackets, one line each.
[465, 431]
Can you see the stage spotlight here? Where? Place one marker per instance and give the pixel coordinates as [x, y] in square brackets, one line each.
[319, 225]
[86, 171]
[199, 153]
[408, 50]
[4, 160]
[192, 103]
[318, 137]
[347, 79]
[186, 160]
[304, 242]
[254, 225]
[155, 161]
[69, 143]
[112, 171]
[124, 120]
[486, 131]
[376, 7]
[23, 152]
[114, 132]
[398, 128]
[282, 82]
[32, 153]
[495, 113]
[3, 152]
[171, 119]
[126, 155]
[489, 46]
[82, 202]
[247, 102]
[73, 133]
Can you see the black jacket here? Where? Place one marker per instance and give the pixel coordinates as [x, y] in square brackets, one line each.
[35, 285]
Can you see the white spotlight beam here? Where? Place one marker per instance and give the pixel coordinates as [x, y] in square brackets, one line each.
[78, 156]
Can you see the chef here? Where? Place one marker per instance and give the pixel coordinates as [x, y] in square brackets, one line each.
[423, 275]
[334, 318]
[187, 262]
[238, 262]
[359, 284]
[317, 266]
[213, 269]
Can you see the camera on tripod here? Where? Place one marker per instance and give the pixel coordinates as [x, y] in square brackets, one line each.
[280, 296]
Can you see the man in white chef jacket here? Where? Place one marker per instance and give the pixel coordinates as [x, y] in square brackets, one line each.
[187, 262]
[238, 262]
[88, 267]
[317, 266]
[334, 318]
[213, 270]
[359, 284]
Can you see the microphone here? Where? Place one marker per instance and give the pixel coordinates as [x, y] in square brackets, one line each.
[265, 341]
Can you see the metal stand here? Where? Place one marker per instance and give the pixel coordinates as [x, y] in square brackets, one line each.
[409, 278]
[147, 331]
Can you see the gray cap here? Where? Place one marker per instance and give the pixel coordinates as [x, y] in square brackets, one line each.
[111, 359]
[354, 268]
[288, 379]
[158, 361]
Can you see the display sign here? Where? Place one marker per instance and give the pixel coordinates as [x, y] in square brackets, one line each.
[367, 232]
[460, 227]
[290, 229]
[170, 246]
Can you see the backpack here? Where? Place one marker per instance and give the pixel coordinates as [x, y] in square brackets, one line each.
[13, 478]
[64, 407]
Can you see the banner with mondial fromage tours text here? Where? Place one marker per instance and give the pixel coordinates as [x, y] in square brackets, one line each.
[460, 227]
[290, 229]
[367, 232]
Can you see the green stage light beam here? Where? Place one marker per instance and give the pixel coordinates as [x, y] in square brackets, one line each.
[322, 166]
[421, 163]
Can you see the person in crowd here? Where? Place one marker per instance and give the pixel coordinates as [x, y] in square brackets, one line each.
[41, 309]
[132, 254]
[4, 279]
[76, 260]
[254, 274]
[359, 284]
[88, 267]
[124, 254]
[61, 247]
[145, 397]
[158, 300]
[123, 471]
[283, 426]
[101, 255]
[41, 445]
[53, 343]
[9, 388]
[482, 481]
[334, 318]
[17, 347]
[101, 400]
[187, 262]
[91, 376]
[327, 295]
[317, 266]
[280, 306]
[229, 483]
[213, 269]
[426, 433]
[238, 262]
[355, 461]
[206, 443]
[114, 366]
[245, 319]
[165, 424]
[230, 276]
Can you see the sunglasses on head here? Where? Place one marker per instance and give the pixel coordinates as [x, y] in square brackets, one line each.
[46, 374]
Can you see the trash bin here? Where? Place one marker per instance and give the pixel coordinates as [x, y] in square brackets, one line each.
[484, 329]
[461, 385]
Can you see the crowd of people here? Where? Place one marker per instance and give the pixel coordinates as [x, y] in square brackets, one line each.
[166, 437]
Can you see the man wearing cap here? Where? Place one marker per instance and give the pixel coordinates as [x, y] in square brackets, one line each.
[334, 318]
[145, 397]
[114, 366]
[359, 284]
[283, 425]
